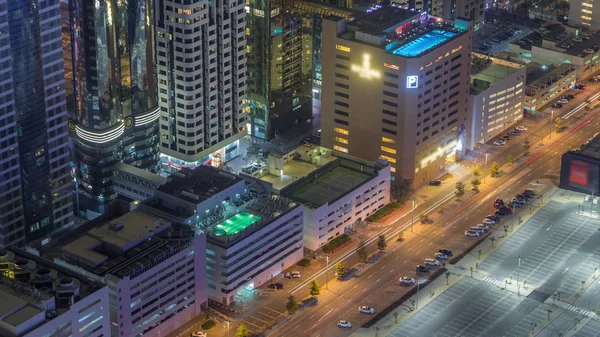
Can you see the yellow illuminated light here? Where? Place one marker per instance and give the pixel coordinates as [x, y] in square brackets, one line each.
[456, 49]
[342, 48]
[388, 150]
[440, 152]
[365, 69]
[341, 140]
[342, 131]
[393, 169]
[389, 159]
[341, 149]
[391, 66]
[388, 140]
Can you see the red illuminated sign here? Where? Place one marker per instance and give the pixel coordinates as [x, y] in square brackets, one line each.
[579, 173]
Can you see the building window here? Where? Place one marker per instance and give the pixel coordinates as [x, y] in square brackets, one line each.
[341, 149]
[341, 140]
[388, 140]
[388, 150]
[341, 131]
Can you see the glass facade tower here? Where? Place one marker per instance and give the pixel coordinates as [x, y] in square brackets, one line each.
[113, 109]
[34, 147]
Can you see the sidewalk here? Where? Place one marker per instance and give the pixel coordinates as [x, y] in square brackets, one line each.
[458, 271]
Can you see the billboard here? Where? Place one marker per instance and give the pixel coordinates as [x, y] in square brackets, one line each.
[580, 173]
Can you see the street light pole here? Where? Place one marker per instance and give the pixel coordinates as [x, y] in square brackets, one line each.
[418, 289]
[228, 328]
[485, 169]
[326, 271]
[518, 276]
[551, 121]
[412, 213]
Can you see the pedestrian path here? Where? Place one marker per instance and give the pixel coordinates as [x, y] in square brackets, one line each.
[493, 281]
[575, 309]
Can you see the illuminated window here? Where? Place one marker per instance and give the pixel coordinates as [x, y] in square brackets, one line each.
[391, 66]
[587, 5]
[393, 169]
[388, 150]
[390, 159]
[247, 31]
[342, 48]
[342, 131]
[341, 149]
[341, 140]
[388, 140]
[586, 11]
[589, 18]
[456, 49]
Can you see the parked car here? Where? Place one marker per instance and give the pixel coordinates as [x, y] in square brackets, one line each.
[563, 101]
[275, 286]
[435, 182]
[446, 252]
[487, 221]
[198, 334]
[499, 142]
[472, 233]
[294, 274]
[344, 324]
[493, 217]
[498, 203]
[407, 281]
[579, 86]
[363, 309]
[530, 192]
[568, 97]
[506, 137]
[556, 105]
[422, 269]
[432, 262]
[514, 133]
[441, 256]
[521, 128]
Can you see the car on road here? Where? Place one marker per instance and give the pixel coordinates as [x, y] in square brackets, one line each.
[446, 252]
[472, 233]
[198, 334]
[498, 203]
[487, 221]
[294, 274]
[521, 128]
[514, 133]
[422, 269]
[556, 105]
[275, 286]
[435, 182]
[407, 281]
[441, 256]
[363, 309]
[563, 101]
[432, 262]
[493, 217]
[344, 324]
[499, 142]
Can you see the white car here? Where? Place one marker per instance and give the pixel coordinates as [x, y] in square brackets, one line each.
[407, 281]
[199, 334]
[485, 228]
[432, 262]
[487, 221]
[472, 233]
[363, 309]
[499, 142]
[344, 324]
[563, 101]
[441, 256]
[521, 128]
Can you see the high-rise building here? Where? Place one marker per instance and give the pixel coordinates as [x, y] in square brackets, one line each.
[201, 61]
[582, 13]
[473, 10]
[279, 89]
[400, 80]
[113, 108]
[34, 147]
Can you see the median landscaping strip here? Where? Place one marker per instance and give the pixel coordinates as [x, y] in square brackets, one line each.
[384, 211]
[336, 243]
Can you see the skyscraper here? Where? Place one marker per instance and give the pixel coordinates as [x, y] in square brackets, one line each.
[399, 79]
[113, 108]
[279, 90]
[201, 61]
[34, 147]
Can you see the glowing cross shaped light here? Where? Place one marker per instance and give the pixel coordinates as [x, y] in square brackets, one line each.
[365, 69]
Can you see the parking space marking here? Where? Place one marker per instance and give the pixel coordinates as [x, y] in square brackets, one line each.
[589, 329]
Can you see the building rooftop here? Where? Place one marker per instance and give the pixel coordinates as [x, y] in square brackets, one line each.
[121, 167]
[126, 245]
[383, 20]
[592, 147]
[486, 71]
[331, 181]
[541, 77]
[198, 184]
[29, 283]
[566, 39]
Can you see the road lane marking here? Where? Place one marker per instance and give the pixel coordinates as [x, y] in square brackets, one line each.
[370, 276]
[565, 270]
[378, 280]
[355, 286]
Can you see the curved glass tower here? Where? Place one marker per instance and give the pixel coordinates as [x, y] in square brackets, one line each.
[113, 109]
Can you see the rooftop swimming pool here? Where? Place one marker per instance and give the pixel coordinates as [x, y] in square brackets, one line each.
[235, 224]
[424, 43]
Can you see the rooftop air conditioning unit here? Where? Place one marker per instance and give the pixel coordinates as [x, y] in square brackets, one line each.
[43, 277]
[23, 269]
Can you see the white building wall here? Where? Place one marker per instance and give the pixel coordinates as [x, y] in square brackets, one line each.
[176, 284]
[257, 258]
[330, 220]
[88, 317]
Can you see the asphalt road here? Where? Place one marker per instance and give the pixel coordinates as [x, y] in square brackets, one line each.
[377, 285]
